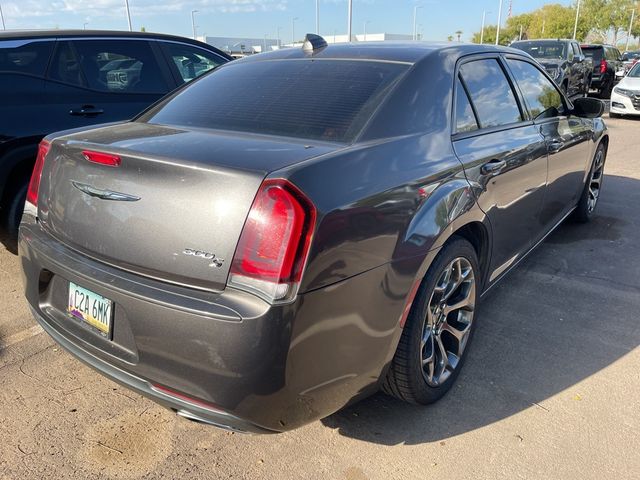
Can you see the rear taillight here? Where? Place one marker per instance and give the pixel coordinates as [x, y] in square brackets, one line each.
[603, 66]
[275, 241]
[34, 184]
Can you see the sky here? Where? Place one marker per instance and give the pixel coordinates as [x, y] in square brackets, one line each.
[437, 19]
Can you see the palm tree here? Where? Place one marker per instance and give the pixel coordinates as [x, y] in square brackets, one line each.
[450, 38]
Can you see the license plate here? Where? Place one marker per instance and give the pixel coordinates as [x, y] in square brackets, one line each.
[90, 307]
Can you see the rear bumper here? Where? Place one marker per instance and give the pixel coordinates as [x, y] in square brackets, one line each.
[599, 81]
[191, 410]
[247, 365]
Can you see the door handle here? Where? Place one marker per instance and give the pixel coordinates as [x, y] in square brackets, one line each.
[493, 167]
[86, 111]
[554, 146]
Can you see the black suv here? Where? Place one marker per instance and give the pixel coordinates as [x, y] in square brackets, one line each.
[564, 62]
[58, 80]
[607, 62]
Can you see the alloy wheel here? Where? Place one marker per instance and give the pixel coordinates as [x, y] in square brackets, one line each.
[595, 182]
[448, 322]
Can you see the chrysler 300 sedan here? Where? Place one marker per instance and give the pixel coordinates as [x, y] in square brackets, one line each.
[299, 229]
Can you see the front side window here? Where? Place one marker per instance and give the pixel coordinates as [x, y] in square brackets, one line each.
[541, 95]
[192, 62]
[25, 57]
[465, 118]
[490, 92]
[120, 66]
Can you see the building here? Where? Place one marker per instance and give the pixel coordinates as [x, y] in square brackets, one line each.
[240, 47]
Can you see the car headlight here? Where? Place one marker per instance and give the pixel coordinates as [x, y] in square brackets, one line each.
[622, 91]
[553, 72]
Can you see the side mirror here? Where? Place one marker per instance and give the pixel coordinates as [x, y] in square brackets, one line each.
[587, 107]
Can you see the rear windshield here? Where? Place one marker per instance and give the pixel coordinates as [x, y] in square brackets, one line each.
[593, 52]
[550, 50]
[315, 99]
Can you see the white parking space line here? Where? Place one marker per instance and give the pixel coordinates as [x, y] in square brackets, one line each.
[20, 336]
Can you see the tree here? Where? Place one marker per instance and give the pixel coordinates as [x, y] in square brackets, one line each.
[143, 29]
[609, 19]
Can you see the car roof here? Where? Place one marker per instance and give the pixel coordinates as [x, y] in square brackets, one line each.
[537, 40]
[36, 34]
[387, 51]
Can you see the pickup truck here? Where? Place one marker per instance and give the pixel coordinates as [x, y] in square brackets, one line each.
[564, 61]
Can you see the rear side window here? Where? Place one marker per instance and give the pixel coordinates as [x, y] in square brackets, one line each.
[317, 99]
[541, 95]
[192, 62]
[25, 57]
[490, 92]
[465, 118]
[120, 66]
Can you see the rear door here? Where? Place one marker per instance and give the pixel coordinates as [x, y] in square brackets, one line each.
[103, 80]
[504, 157]
[566, 137]
[22, 67]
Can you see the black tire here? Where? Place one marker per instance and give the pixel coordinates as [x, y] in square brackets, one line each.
[614, 115]
[586, 208]
[15, 208]
[406, 378]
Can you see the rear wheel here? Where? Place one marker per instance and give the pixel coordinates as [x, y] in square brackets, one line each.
[439, 328]
[591, 193]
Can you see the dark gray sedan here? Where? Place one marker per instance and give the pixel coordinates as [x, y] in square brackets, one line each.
[301, 228]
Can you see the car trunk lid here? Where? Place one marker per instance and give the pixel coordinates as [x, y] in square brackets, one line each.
[175, 206]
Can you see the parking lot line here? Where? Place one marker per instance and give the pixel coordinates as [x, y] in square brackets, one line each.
[20, 336]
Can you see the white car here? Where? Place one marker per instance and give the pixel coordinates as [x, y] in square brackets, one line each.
[625, 98]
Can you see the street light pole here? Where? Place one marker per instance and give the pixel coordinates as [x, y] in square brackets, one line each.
[84, 25]
[415, 21]
[278, 35]
[4, 27]
[126, 4]
[633, 12]
[293, 30]
[349, 20]
[317, 17]
[575, 25]
[193, 22]
[365, 29]
[499, 20]
[484, 17]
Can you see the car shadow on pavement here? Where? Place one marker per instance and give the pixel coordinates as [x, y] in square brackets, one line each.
[567, 312]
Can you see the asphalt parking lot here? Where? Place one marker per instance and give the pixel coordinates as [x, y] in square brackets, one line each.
[551, 388]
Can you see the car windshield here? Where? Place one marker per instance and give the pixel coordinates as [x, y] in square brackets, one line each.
[635, 71]
[543, 49]
[314, 99]
[630, 56]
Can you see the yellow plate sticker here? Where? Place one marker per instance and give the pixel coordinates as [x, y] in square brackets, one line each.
[90, 307]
